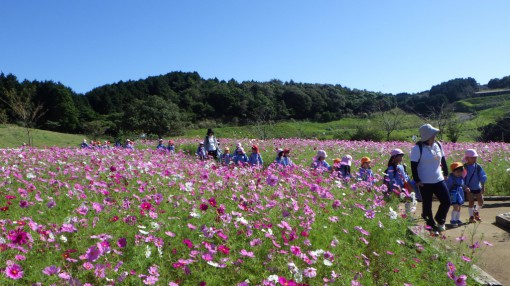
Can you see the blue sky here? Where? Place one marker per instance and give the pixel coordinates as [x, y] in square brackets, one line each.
[388, 46]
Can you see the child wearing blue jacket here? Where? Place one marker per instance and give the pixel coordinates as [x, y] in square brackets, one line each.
[475, 180]
[161, 146]
[226, 158]
[319, 161]
[282, 157]
[255, 158]
[240, 157]
[396, 173]
[455, 184]
[365, 172]
[171, 146]
[201, 152]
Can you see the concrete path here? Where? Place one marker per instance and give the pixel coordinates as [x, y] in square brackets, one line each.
[495, 260]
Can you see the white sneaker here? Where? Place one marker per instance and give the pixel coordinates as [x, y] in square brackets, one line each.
[441, 227]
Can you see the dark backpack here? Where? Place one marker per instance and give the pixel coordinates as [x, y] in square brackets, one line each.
[420, 145]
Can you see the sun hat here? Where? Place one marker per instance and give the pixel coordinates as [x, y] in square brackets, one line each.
[427, 131]
[346, 160]
[322, 153]
[470, 153]
[286, 151]
[256, 148]
[456, 166]
[171, 141]
[240, 149]
[396, 152]
[278, 151]
[365, 160]
[227, 149]
[337, 160]
[238, 145]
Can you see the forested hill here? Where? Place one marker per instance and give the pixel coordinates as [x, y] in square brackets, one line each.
[232, 101]
[167, 104]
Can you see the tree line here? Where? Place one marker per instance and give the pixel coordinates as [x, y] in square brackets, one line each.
[168, 104]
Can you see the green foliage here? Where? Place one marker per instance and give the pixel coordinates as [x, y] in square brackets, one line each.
[367, 133]
[498, 131]
[499, 83]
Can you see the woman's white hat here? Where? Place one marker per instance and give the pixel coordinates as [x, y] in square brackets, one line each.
[427, 132]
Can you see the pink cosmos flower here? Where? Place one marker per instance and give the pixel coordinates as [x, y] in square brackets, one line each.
[203, 207]
[122, 242]
[51, 270]
[20, 257]
[247, 253]
[224, 249]
[465, 258]
[310, 272]
[188, 243]
[461, 280]
[14, 271]
[93, 253]
[296, 250]
[18, 236]
[285, 282]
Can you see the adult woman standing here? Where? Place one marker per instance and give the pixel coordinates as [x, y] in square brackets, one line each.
[428, 165]
[211, 144]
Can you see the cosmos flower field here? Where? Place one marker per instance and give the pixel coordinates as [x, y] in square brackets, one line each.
[72, 216]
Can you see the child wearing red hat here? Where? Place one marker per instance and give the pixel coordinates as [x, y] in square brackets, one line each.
[255, 158]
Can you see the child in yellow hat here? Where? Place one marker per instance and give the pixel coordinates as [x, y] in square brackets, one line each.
[365, 171]
[456, 186]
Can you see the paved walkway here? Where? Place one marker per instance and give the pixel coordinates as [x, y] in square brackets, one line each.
[495, 260]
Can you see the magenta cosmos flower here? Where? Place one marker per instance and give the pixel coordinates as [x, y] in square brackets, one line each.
[14, 271]
[18, 236]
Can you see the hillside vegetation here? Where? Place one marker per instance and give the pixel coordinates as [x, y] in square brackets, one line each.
[182, 103]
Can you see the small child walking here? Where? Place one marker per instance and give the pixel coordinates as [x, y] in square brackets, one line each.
[201, 152]
[475, 180]
[456, 186]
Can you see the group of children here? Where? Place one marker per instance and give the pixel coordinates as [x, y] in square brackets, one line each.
[467, 178]
[170, 147]
[239, 156]
[343, 166]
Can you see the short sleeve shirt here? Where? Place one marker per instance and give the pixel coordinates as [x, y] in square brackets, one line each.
[429, 168]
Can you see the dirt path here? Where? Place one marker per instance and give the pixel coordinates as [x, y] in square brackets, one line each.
[495, 260]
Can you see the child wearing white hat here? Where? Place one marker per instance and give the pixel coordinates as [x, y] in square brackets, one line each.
[475, 180]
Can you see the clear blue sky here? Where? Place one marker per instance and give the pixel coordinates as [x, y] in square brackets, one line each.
[388, 46]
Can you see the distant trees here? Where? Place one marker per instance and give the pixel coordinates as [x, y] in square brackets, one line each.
[498, 131]
[165, 104]
[24, 109]
[499, 83]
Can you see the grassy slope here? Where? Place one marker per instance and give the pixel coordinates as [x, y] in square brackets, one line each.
[14, 136]
[340, 129]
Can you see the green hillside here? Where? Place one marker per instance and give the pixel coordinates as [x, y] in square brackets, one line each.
[14, 136]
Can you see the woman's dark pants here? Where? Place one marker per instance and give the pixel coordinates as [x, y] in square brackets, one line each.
[443, 195]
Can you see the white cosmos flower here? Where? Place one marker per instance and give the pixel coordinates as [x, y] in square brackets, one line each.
[273, 278]
[393, 214]
[147, 252]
